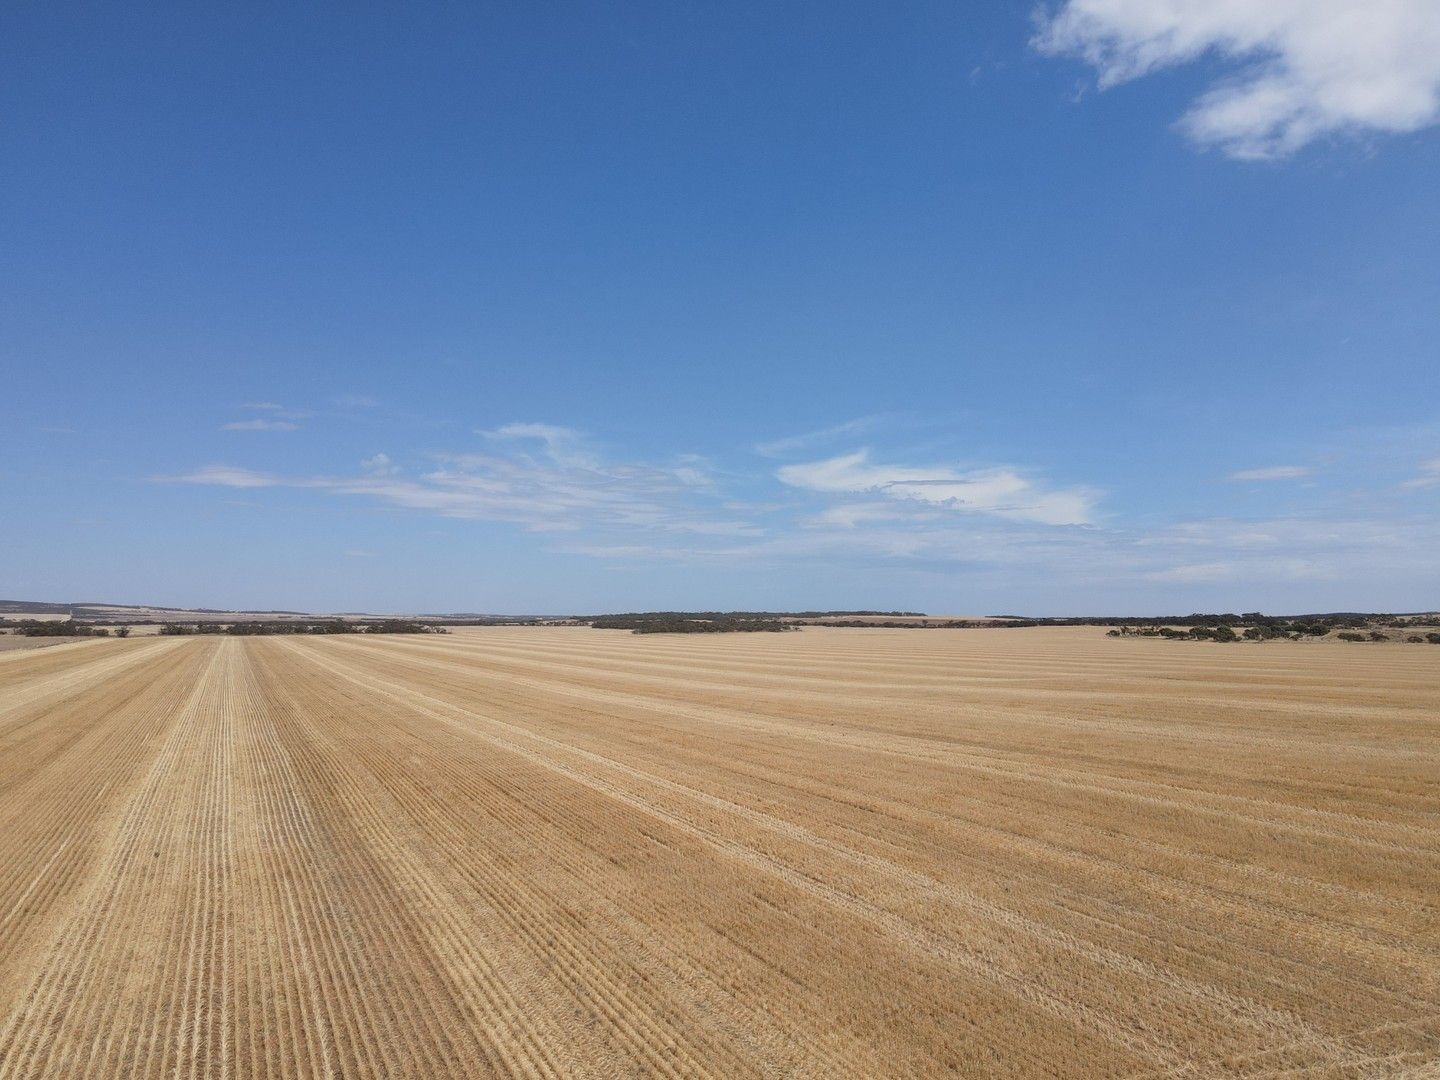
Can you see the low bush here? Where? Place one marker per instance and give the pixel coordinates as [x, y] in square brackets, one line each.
[1213, 633]
[674, 622]
[57, 628]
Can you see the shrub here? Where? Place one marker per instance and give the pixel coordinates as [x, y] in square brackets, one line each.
[57, 628]
[398, 626]
[678, 622]
[1213, 633]
[1265, 632]
[1348, 636]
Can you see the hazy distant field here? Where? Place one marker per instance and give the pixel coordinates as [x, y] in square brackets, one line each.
[841, 853]
[11, 643]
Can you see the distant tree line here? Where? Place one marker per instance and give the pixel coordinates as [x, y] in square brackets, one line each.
[1258, 627]
[57, 628]
[680, 622]
[1198, 626]
[842, 614]
[746, 615]
[944, 624]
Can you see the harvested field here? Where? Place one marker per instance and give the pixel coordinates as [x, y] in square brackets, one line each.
[9, 643]
[550, 852]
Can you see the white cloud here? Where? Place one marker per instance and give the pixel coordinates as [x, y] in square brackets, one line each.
[791, 443]
[275, 409]
[989, 528]
[1350, 560]
[1272, 472]
[379, 465]
[1194, 572]
[1215, 564]
[1001, 492]
[260, 425]
[224, 476]
[562, 444]
[851, 515]
[1429, 475]
[568, 489]
[1248, 571]
[1308, 68]
[548, 433]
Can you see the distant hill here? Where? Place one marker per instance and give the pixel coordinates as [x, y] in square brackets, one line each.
[93, 610]
[32, 607]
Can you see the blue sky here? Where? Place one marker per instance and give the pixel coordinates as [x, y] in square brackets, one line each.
[1106, 307]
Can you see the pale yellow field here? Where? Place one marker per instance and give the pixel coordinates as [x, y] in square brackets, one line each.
[11, 643]
[561, 852]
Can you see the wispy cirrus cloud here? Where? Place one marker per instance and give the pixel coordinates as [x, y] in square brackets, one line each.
[260, 424]
[276, 417]
[550, 434]
[805, 440]
[1316, 547]
[283, 412]
[853, 515]
[561, 444]
[859, 513]
[566, 486]
[1234, 563]
[1304, 68]
[1002, 492]
[1192, 573]
[223, 476]
[1429, 476]
[1272, 472]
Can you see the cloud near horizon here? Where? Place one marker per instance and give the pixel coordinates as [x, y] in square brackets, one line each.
[1002, 492]
[563, 487]
[1306, 68]
[854, 512]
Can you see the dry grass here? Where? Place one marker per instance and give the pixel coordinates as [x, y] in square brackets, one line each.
[13, 643]
[864, 853]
